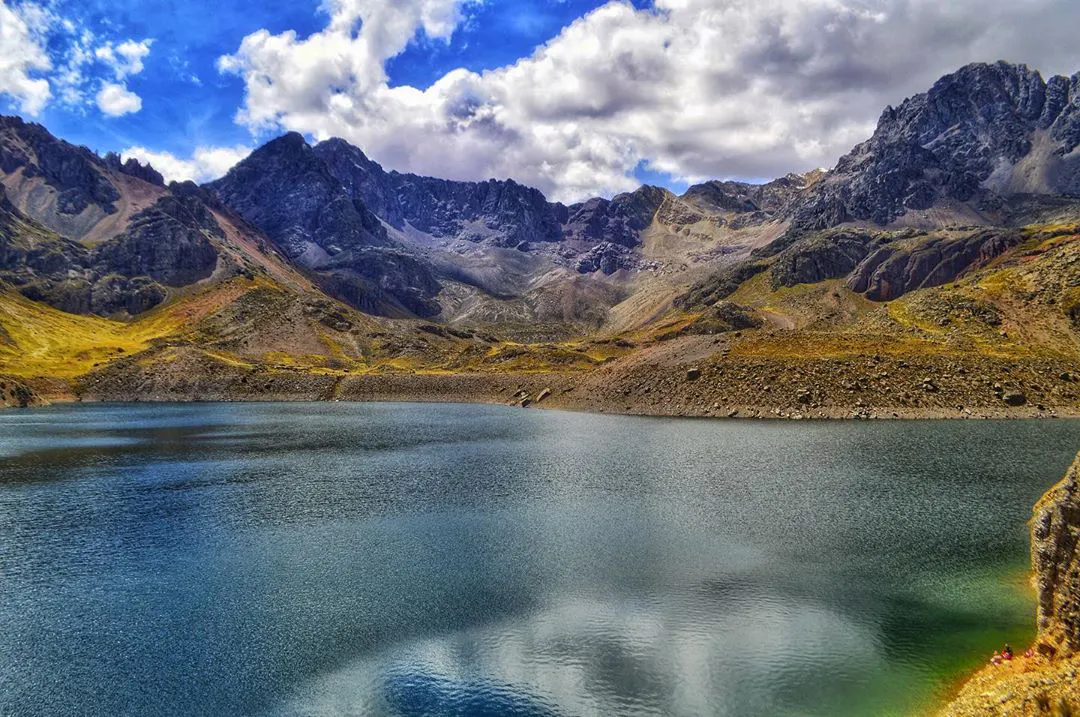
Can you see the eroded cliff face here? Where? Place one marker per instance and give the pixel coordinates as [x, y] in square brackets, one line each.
[1055, 555]
[1048, 683]
[14, 393]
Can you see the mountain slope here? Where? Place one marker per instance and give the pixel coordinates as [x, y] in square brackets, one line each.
[933, 271]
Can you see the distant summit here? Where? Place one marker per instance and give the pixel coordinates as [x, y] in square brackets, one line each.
[977, 137]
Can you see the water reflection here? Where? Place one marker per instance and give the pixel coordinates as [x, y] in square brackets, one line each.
[420, 693]
[387, 560]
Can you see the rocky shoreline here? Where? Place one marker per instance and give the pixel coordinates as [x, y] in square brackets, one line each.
[1048, 681]
[877, 387]
[696, 376]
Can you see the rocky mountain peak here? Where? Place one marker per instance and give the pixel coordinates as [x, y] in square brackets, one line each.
[619, 220]
[285, 189]
[133, 168]
[497, 212]
[63, 180]
[985, 132]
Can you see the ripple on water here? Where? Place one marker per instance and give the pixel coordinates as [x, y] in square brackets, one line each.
[382, 560]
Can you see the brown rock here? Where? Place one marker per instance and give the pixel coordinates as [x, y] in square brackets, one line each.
[1014, 398]
[1055, 539]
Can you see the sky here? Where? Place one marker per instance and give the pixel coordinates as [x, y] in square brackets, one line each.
[576, 97]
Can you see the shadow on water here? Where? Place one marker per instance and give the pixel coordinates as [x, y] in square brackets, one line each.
[414, 693]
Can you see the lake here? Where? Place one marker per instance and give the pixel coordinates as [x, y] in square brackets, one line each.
[458, 560]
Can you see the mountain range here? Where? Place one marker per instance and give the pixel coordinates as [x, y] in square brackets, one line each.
[944, 244]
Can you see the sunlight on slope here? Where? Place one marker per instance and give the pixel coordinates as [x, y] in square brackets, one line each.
[43, 341]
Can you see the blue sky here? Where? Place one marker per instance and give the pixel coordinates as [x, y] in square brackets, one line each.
[186, 102]
[190, 36]
[576, 97]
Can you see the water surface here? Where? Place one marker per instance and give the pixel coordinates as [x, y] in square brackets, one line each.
[409, 559]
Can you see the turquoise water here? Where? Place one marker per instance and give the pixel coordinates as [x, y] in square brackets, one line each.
[409, 559]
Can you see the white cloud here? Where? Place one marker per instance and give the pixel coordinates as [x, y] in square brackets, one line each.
[695, 88]
[126, 58]
[205, 164]
[116, 100]
[46, 57]
[23, 57]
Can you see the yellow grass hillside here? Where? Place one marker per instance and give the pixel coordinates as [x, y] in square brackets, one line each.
[40, 341]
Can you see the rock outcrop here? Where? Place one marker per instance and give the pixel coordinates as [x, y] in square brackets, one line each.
[899, 267]
[619, 220]
[133, 168]
[880, 265]
[608, 258]
[828, 256]
[169, 242]
[1047, 683]
[1055, 556]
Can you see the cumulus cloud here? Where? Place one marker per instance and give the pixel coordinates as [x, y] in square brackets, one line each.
[693, 88]
[116, 100]
[23, 57]
[204, 165]
[46, 57]
[126, 58]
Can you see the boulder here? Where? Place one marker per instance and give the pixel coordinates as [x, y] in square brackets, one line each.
[1014, 398]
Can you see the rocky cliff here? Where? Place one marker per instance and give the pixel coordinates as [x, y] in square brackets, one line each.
[619, 220]
[168, 244]
[503, 213]
[1047, 683]
[981, 134]
[1055, 556]
[66, 188]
